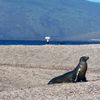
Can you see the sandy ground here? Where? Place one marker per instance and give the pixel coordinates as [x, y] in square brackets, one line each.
[26, 70]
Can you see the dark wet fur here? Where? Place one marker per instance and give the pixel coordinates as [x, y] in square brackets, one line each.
[72, 75]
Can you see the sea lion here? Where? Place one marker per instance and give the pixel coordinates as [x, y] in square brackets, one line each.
[76, 75]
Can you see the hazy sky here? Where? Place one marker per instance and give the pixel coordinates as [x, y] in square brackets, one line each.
[94, 0]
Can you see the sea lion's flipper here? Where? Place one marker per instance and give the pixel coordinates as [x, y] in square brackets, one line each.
[77, 74]
[84, 79]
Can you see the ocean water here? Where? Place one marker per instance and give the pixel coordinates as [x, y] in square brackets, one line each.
[34, 42]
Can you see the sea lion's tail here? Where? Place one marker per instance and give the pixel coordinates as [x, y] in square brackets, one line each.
[50, 82]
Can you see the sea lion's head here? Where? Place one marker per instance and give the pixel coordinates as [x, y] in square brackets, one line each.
[84, 58]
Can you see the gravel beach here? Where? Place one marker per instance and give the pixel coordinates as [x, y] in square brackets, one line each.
[26, 70]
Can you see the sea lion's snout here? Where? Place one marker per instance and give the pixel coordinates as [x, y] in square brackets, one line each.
[84, 58]
[87, 58]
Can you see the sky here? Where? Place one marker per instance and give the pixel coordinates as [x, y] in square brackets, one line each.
[94, 0]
